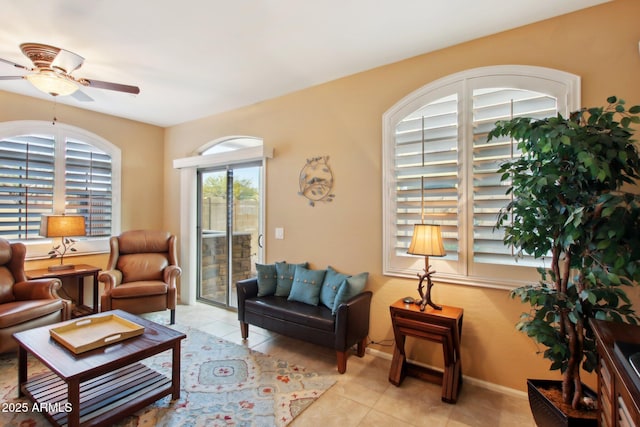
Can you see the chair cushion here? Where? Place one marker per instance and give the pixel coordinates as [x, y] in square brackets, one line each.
[285, 277]
[14, 313]
[306, 285]
[6, 285]
[144, 241]
[330, 286]
[5, 251]
[140, 289]
[147, 266]
[314, 316]
[267, 279]
[351, 287]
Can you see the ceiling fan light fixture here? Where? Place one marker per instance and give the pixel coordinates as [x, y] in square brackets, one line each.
[52, 83]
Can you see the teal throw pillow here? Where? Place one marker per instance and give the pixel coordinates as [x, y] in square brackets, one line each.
[267, 279]
[306, 285]
[285, 274]
[351, 287]
[330, 287]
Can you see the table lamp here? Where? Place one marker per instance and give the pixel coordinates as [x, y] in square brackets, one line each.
[427, 241]
[63, 226]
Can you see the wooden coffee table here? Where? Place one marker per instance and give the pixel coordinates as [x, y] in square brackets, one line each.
[101, 386]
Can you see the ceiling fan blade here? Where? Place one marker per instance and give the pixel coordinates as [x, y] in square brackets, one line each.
[16, 65]
[110, 86]
[11, 77]
[81, 96]
[67, 61]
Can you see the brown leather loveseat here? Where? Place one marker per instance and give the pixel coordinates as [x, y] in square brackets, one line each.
[25, 304]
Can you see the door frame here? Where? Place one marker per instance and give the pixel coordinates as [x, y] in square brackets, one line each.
[188, 167]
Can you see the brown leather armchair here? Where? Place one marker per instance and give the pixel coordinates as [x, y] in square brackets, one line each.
[141, 273]
[25, 304]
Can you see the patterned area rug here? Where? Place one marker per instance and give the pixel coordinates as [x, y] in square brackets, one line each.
[223, 384]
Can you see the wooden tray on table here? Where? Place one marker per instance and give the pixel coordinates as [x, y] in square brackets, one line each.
[92, 332]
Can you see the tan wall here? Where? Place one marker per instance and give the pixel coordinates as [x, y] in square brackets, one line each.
[342, 119]
[142, 158]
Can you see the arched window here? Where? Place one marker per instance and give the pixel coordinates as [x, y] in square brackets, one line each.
[47, 168]
[439, 168]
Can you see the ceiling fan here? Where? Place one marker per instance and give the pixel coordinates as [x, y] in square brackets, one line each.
[52, 72]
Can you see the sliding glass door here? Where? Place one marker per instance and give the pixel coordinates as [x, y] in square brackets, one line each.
[230, 228]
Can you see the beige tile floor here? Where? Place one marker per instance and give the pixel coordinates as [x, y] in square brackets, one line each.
[363, 395]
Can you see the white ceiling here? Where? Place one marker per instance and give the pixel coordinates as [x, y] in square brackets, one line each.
[194, 58]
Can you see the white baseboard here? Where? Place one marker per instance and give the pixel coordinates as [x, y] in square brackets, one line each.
[475, 381]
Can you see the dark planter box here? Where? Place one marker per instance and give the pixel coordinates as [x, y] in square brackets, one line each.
[546, 414]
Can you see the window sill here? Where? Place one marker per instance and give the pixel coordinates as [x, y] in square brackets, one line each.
[40, 249]
[475, 281]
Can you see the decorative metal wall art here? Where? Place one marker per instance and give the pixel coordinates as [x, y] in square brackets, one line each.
[316, 180]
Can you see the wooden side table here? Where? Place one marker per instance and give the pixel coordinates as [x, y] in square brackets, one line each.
[441, 326]
[80, 271]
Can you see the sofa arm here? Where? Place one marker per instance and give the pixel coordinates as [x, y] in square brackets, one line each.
[37, 289]
[111, 279]
[171, 274]
[42, 289]
[352, 320]
[247, 288]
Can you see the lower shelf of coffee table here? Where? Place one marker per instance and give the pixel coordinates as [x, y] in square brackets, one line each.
[103, 399]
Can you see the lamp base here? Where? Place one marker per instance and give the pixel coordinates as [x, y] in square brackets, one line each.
[61, 267]
[426, 296]
[427, 301]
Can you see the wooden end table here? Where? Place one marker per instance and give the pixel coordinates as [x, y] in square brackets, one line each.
[101, 386]
[441, 326]
[79, 272]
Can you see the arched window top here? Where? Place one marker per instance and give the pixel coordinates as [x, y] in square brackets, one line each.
[228, 150]
[232, 143]
[541, 79]
[39, 127]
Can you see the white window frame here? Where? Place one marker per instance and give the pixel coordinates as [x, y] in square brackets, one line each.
[565, 87]
[61, 132]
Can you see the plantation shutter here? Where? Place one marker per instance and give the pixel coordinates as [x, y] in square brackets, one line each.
[426, 172]
[26, 184]
[438, 168]
[489, 106]
[88, 186]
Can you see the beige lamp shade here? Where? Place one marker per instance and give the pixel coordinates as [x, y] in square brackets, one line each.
[426, 240]
[62, 225]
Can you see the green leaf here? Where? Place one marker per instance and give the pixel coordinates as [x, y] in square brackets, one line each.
[573, 318]
[614, 278]
[625, 121]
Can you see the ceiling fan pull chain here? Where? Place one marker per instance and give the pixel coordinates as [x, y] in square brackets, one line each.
[55, 119]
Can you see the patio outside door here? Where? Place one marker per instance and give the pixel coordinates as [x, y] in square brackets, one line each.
[230, 227]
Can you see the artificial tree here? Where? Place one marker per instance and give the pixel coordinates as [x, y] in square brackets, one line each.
[575, 202]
